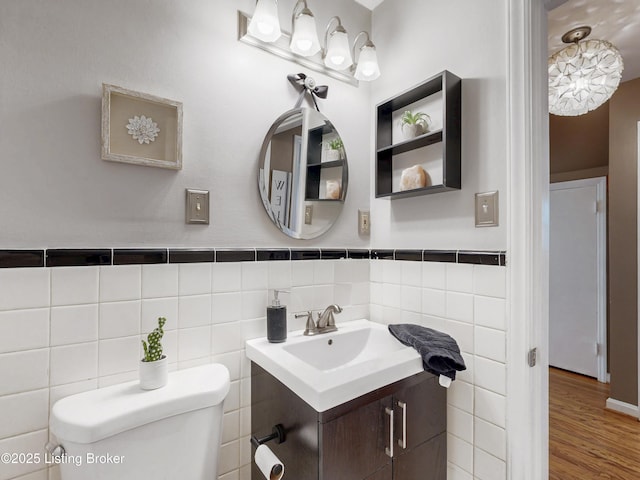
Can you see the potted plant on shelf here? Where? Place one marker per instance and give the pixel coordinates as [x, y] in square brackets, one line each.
[414, 124]
[154, 365]
[335, 150]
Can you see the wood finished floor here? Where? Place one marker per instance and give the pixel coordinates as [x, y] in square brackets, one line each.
[585, 440]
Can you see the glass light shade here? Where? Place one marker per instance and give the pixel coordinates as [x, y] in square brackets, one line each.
[338, 54]
[583, 76]
[304, 39]
[367, 68]
[264, 24]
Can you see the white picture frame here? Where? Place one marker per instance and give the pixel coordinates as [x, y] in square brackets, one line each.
[141, 129]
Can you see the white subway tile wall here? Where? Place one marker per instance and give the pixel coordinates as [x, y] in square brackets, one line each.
[467, 302]
[66, 330]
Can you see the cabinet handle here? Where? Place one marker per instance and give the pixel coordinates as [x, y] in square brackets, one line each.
[403, 442]
[389, 450]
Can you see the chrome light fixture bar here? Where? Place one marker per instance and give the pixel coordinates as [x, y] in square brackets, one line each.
[280, 47]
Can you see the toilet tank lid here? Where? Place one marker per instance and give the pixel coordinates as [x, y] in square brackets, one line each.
[92, 416]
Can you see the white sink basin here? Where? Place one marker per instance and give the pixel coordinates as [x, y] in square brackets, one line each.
[329, 369]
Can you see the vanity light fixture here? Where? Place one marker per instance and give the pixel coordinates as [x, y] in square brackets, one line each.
[583, 75]
[367, 68]
[264, 24]
[302, 46]
[304, 36]
[337, 54]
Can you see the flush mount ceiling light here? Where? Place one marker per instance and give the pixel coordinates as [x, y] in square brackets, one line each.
[583, 75]
[304, 36]
[265, 24]
[367, 68]
[337, 53]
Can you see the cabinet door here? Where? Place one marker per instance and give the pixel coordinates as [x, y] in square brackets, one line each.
[420, 413]
[384, 474]
[425, 462]
[353, 445]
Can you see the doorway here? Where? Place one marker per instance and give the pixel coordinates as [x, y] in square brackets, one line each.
[577, 277]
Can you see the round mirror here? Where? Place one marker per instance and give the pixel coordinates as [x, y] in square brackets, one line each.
[303, 173]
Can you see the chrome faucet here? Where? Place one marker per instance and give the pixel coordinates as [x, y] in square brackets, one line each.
[326, 322]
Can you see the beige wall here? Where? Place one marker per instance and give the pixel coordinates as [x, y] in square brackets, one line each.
[579, 143]
[624, 116]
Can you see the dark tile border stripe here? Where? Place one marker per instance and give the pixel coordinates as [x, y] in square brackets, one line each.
[62, 257]
[273, 255]
[69, 257]
[332, 254]
[449, 256]
[191, 255]
[382, 254]
[359, 254]
[305, 254]
[409, 255]
[139, 256]
[240, 255]
[479, 258]
[21, 258]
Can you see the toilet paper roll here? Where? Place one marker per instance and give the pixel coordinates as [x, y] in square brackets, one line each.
[270, 465]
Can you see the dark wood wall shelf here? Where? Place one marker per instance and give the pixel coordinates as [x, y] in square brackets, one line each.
[449, 136]
[315, 166]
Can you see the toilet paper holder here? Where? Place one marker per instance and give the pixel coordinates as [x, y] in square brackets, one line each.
[277, 434]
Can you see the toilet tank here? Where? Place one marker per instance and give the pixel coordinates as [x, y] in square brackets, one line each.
[123, 432]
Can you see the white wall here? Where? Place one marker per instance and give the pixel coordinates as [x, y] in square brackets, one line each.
[55, 189]
[415, 40]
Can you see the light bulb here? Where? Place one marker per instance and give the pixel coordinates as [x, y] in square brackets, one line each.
[367, 68]
[264, 24]
[304, 39]
[338, 54]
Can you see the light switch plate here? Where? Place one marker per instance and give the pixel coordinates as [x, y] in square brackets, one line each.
[364, 223]
[197, 206]
[487, 209]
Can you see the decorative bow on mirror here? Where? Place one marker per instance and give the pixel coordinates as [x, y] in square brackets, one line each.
[308, 85]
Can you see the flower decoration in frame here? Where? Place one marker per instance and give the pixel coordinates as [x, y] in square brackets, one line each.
[141, 129]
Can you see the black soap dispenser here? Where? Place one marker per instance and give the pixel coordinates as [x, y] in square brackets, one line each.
[277, 320]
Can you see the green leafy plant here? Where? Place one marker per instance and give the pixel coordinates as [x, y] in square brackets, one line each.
[336, 144]
[418, 118]
[153, 350]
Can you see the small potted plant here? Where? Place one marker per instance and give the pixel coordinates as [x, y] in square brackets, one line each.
[414, 124]
[335, 150]
[154, 365]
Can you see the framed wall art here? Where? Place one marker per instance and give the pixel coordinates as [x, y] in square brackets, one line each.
[140, 128]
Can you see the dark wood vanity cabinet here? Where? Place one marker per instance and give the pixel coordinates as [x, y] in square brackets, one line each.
[352, 441]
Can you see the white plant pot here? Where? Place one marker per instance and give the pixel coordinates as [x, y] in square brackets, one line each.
[333, 155]
[413, 130]
[154, 374]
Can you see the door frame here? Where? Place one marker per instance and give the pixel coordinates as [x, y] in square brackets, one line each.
[528, 240]
[637, 411]
[601, 263]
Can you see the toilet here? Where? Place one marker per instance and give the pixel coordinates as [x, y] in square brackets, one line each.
[122, 432]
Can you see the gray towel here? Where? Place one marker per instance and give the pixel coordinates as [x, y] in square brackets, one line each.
[440, 353]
